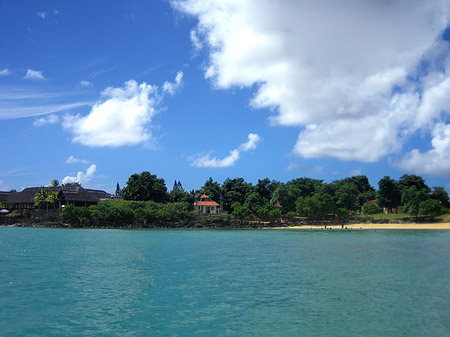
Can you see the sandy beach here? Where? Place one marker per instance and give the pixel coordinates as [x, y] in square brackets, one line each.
[411, 226]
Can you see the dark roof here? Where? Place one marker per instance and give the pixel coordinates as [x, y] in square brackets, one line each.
[4, 196]
[72, 192]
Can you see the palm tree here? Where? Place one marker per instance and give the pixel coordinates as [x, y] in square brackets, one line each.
[52, 198]
[54, 183]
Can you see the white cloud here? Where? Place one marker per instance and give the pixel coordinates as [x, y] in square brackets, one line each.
[436, 161]
[42, 15]
[196, 42]
[50, 119]
[121, 117]
[34, 75]
[81, 177]
[73, 160]
[356, 77]
[171, 87]
[253, 140]
[5, 72]
[205, 160]
[86, 84]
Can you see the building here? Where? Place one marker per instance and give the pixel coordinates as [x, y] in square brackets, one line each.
[72, 194]
[206, 205]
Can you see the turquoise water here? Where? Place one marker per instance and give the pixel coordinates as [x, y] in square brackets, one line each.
[56, 282]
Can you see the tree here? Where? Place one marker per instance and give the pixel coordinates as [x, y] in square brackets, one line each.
[320, 205]
[212, 189]
[52, 197]
[234, 190]
[347, 195]
[40, 197]
[408, 180]
[371, 209]
[286, 195]
[265, 188]
[431, 207]
[44, 197]
[54, 183]
[389, 194]
[254, 201]
[117, 189]
[411, 199]
[145, 187]
[440, 194]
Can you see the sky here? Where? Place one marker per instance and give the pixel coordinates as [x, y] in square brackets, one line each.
[191, 89]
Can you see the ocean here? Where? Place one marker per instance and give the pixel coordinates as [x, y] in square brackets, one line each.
[89, 282]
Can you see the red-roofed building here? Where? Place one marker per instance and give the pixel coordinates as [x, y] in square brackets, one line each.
[206, 205]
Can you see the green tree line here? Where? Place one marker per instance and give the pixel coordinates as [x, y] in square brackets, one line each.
[147, 199]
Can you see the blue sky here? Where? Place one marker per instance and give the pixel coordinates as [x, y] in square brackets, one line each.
[193, 89]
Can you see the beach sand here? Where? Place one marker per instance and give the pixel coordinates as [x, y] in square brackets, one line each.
[411, 226]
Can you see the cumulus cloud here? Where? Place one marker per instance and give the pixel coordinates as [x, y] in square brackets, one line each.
[357, 78]
[171, 87]
[34, 75]
[205, 160]
[50, 119]
[5, 72]
[73, 160]
[81, 177]
[435, 161]
[121, 117]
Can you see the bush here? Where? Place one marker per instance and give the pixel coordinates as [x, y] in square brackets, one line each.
[371, 209]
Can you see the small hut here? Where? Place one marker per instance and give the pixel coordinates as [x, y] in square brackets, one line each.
[206, 205]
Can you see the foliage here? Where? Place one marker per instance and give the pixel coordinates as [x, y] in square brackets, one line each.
[431, 207]
[212, 189]
[412, 197]
[123, 212]
[145, 187]
[342, 213]
[440, 194]
[54, 183]
[44, 197]
[320, 205]
[242, 211]
[371, 209]
[234, 190]
[389, 194]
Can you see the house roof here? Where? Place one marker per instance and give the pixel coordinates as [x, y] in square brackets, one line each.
[207, 203]
[4, 196]
[370, 202]
[277, 204]
[204, 196]
[72, 192]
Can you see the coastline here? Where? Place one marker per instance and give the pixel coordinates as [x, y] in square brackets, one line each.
[350, 226]
[375, 226]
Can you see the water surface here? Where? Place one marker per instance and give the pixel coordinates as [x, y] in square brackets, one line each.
[217, 283]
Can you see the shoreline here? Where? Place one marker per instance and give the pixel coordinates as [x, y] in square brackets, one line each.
[355, 226]
[374, 226]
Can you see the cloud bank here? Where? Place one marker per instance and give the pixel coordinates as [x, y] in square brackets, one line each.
[358, 78]
[205, 160]
[122, 116]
